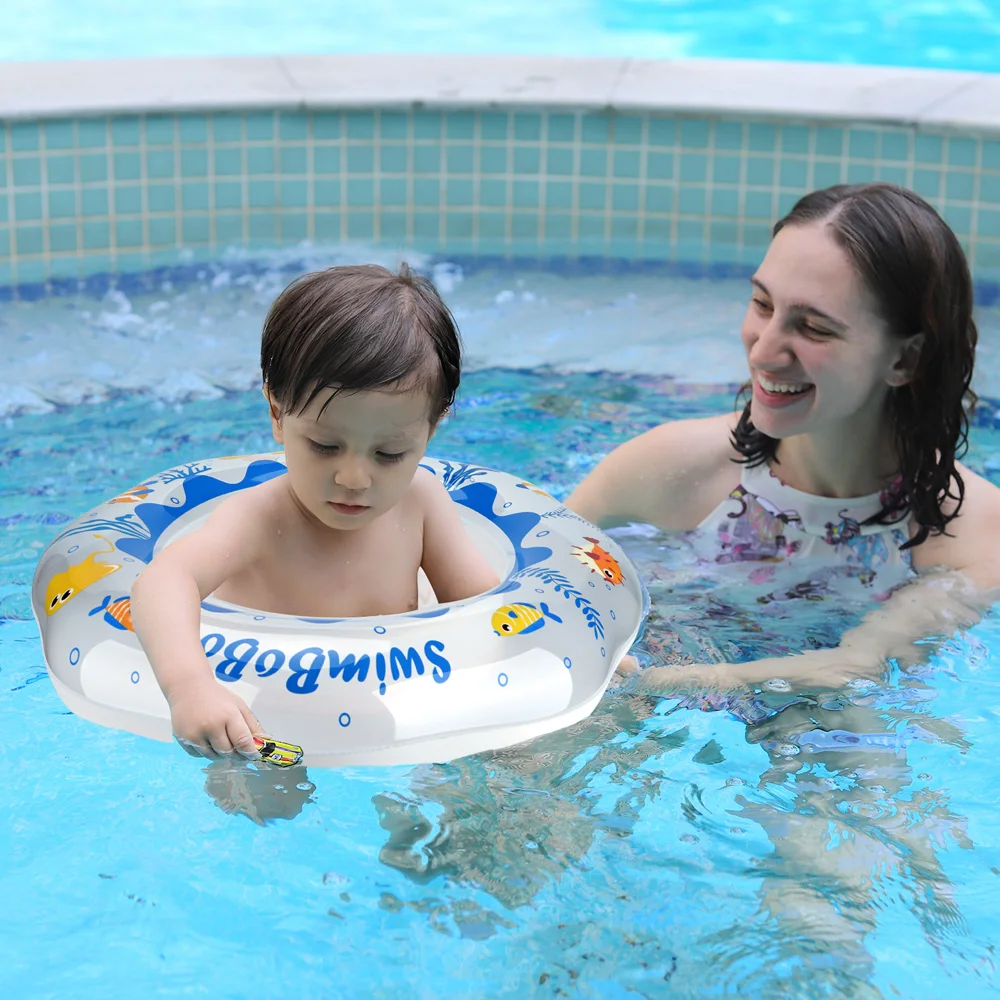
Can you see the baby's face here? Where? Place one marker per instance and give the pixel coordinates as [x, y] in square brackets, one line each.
[354, 460]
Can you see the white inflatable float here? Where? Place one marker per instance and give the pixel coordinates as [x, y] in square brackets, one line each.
[529, 657]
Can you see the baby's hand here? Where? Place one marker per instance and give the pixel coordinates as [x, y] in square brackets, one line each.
[209, 721]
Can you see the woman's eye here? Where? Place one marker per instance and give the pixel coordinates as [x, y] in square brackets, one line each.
[761, 304]
[323, 449]
[815, 331]
[389, 457]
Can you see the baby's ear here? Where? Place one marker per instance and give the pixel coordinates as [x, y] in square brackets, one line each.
[275, 409]
[435, 424]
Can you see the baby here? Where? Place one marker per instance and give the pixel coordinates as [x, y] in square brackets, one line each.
[359, 366]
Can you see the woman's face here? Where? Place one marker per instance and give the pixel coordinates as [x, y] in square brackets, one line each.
[820, 356]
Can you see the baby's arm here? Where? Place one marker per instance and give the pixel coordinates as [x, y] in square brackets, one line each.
[207, 719]
[454, 566]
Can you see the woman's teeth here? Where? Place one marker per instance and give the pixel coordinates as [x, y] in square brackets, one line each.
[786, 387]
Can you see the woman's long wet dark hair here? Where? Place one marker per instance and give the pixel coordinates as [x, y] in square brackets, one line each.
[915, 270]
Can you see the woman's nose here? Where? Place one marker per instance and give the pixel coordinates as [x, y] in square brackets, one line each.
[768, 345]
[352, 475]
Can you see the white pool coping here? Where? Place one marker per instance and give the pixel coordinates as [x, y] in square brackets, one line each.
[717, 87]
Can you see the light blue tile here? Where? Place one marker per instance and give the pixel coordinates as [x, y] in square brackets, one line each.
[459, 159]
[60, 169]
[228, 194]
[625, 163]
[961, 152]
[360, 125]
[793, 173]
[194, 163]
[860, 173]
[959, 185]
[829, 141]
[124, 131]
[360, 225]
[59, 134]
[928, 149]
[591, 197]
[760, 171]
[627, 130]
[690, 236]
[227, 127]
[162, 232]
[559, 162]
[92, 133]
[28, 206]
[261, 194]
[4, 246]
[762, 138]
[263, 227]
[927, 183]
[527, 127]
[726, 202]
[294, 193]
[695, 133]
[988, 222]
[426, 225]
[160, 130]
[694, 168]
[527, 159]
[228, 230]
[62, 204]
[493, 160]
[326, 193]
[128, 166]
[260, 160]
[392, 191]
[293, 159]
[725, 169]
[893, 175]
[459, 225]
[96, 235]
[493, 125]
[559, 194]
[659, 166]
[160, 163]
[524, 226]
[194, 196]
[826, 175]
[989, 189]
[32, 272]
[991, 154]
[624, 227]
[625, 197]
[426, 159]
[294, 227]
[360, 159]
[427, 125]
[593, 162]
[458, 192]
[557, 226]
[786, 202]
[327, 125]
[659, 198]
[326, 160]
[757, 205]
[3, 210]
[492, 193]
[193, 128]
[895, 146]
[94, 201]
[195, 230]
[260, 126]
[24, 137]
[426, 193]
[691, 200]
[393, 159]
[62, 238]
[460, 125]
[293, 125]
[662, 131]
[525, 194]
[160, 197]
[595, 128]
[28, 171]
[795, 139]
[959, 217]
[228, 162]
[393, 125]
[862, 144]
[128, 200]
[561, 128]
[590, 227]
[728, 135]
[657, 231]
[94, 167]
[326, 225]
[128, 233]
[392, 226]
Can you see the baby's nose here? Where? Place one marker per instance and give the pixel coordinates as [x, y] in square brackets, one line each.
[351, 475]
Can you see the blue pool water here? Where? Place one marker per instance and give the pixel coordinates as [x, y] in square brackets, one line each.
[944, 34]
[801, 845]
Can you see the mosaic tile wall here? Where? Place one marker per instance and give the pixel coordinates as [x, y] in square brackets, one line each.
[125, 193]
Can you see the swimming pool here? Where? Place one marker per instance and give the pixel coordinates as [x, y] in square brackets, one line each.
[802, 845]
[961, 34]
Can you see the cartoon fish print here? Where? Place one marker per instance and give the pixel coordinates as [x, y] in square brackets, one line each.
[843, 532]
[134, 495]
[531, 488]
[117, 612]
[65, 585]
[599, 560]
[519, 619]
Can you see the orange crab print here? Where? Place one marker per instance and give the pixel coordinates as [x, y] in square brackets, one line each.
[599, 560]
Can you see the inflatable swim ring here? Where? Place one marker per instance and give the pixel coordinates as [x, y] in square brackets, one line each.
[531, 656]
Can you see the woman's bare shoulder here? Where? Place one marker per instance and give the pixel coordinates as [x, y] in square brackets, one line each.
[671, 476]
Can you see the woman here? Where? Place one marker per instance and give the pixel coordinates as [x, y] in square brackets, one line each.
[860, 344]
